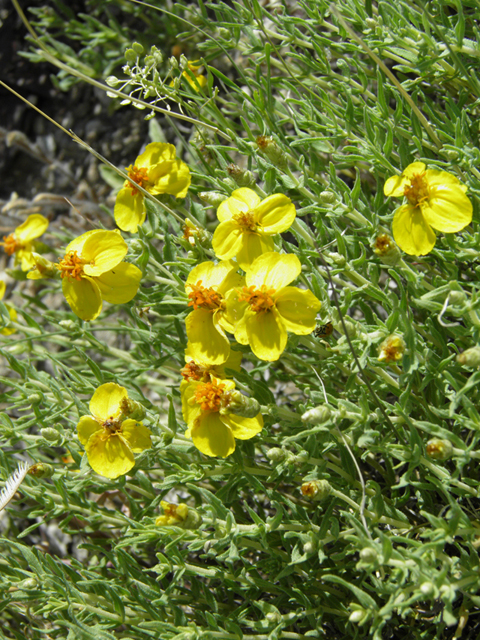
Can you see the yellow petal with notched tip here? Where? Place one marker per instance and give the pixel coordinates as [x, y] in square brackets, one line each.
[275, 214]
[86, 427]
[274, 270]
[120, 285]
[129, 211]
[83, 296]
[447, 209]
[266, 333]
[106, 401]
[207, 343]
[33, 227]
[298, 309]
[212, 437]
[411, 231]
[227, 240]
[244, 428]
[170, 177]
[253, 246]
[102, 252]
[109, 455]
[136, 435]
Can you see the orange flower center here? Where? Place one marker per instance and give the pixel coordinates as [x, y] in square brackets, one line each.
[112, 427]
[383, 244]
[417, 190]
[204, 297]
[194, 371]
[10, 244]
[71, 266]
[138, 175]
[245, 221]
[209, 396]
[260, 300]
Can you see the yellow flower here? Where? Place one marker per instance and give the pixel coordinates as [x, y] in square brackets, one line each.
[11, 311]
[173, 514]
[207, 285]
[158, 171]
[20, 242]
[110, 437]
[267, 308]
[211, 426]
[201, 80]
[247, 222]
[391, 349]
[202, 371]
[436, 200]
[92, 270]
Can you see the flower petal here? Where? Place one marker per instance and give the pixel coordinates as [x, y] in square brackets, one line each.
[207, 343]
[274, 270]
[275, 214]
[253, 246]
[154, 153]
[129, 211]
[32, 228]
[86, 427]
[120, 284]
[102, 251]
[83, 296]
[395, 185]
[240, 201]
[25, 256]
[267, 335]
[106, 401]
[170, 177]
[412, 232]
[109, 457]
[136, 435]
[298, 309]
[3, 288]
[191, 410]
[244, 428]
[211, 274]
[212, 437]
[235, 316]
[227, 239]
[77, 243]
[447, 209]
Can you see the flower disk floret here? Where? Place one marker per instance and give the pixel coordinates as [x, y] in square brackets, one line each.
[435, 200]
[109, 435]
[266, 308]
[247, 224]
[93, 270]
[157, 170]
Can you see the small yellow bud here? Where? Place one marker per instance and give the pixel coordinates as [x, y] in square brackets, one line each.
[316, 489]
[271, 150]
[41, 470]
[235, 402]
[317, 415]
[386, 249]
[242, 177]
[42, 268]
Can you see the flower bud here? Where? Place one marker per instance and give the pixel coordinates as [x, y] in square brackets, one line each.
[391, 349]
[328, 197]
[317, 415]
[35, 398]
[386, 249]
[309, 547]
[316, 490]
[337, 259]
[213, 198]
[130, 55]
[357, 615]
[235, 402]
[173, 62]
[470, 357]
[42, 268]
[50, 434]
[368, 555]
[178, 515]
[41, 470]
[271, 150]
[276, 454]
[427, 588]
[242, 177]
[112, 81]
[69, 325]
[439, 449]
[457, 297]
[137, 47]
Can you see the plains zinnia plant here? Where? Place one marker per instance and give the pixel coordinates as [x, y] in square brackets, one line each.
[247, 223]
[266, 308]
[157, 170]
[207, 285]
[211, 425]
[21, 242]
[436, 200]
[93, 270]
[109, 435]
